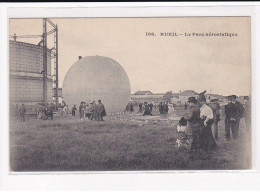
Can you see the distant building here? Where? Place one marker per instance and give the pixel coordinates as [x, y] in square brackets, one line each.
[143, 93]
[175, 98]
[214, 96]
[146, 96]
[183, 96]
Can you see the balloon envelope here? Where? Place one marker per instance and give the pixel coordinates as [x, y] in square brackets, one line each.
[96, 77]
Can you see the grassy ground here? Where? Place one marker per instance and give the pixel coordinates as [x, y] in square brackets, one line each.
[119, 143]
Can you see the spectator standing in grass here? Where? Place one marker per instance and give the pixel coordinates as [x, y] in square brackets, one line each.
[151, 106]
[51, 109]
[240, 111]
[247, 113]
[65, 110]
[40, 112]
[131, 107]
[165, 108]
[214, 105]
[127, 108]
[47, 111]
[81, 111]
[206, 115]
[22, 111]
[147, 110]
[161, 108]
[230, 118]
[87, 110]
[93, 110]
[193, 123]
[101, 112]
[73, 111]
[234, 111]
[140, 107]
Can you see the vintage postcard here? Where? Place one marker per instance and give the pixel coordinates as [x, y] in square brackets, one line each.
[130, 94]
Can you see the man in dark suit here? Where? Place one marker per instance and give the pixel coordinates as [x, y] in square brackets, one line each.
[229, 120]
[233, 112]
[239, 109]
[161, 108]
[101, 112]
[140, 107]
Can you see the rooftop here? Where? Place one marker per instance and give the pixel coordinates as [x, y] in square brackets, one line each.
[143, 93]
[188, 93]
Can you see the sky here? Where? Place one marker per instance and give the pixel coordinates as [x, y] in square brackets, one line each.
[220, 65]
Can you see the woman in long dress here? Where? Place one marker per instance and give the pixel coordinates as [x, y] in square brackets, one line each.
[206, 115]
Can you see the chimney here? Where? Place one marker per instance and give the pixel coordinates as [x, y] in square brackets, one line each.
[80, 57]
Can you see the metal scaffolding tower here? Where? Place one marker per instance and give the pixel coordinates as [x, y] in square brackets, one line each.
[54, 52]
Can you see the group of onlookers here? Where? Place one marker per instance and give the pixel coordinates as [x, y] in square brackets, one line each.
[198, 129]
[163, 108]
[91, 111]
[129, 107]
[147, 108]
[45, 111]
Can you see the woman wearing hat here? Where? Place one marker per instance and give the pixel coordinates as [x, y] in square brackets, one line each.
[206, 115]
[193, 123]
[147, 110]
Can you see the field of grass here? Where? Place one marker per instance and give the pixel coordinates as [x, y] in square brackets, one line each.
[118, 143]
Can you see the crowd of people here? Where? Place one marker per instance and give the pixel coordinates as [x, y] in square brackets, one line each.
[198, 129]
[91, 111]
[45, 112]
[163, 108]
[146, 108]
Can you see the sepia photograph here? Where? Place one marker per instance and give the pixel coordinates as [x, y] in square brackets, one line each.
[129, 94]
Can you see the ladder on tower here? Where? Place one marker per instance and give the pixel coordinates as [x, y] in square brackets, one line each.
[55, 76]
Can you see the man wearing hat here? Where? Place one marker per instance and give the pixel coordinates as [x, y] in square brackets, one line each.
[101, 112]
[214, 105]
[247, 113]
[206, 116]
[232, 119]
[240, 111]
[193, 124]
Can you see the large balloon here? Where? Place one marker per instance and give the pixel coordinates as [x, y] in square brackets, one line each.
[96, 77]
